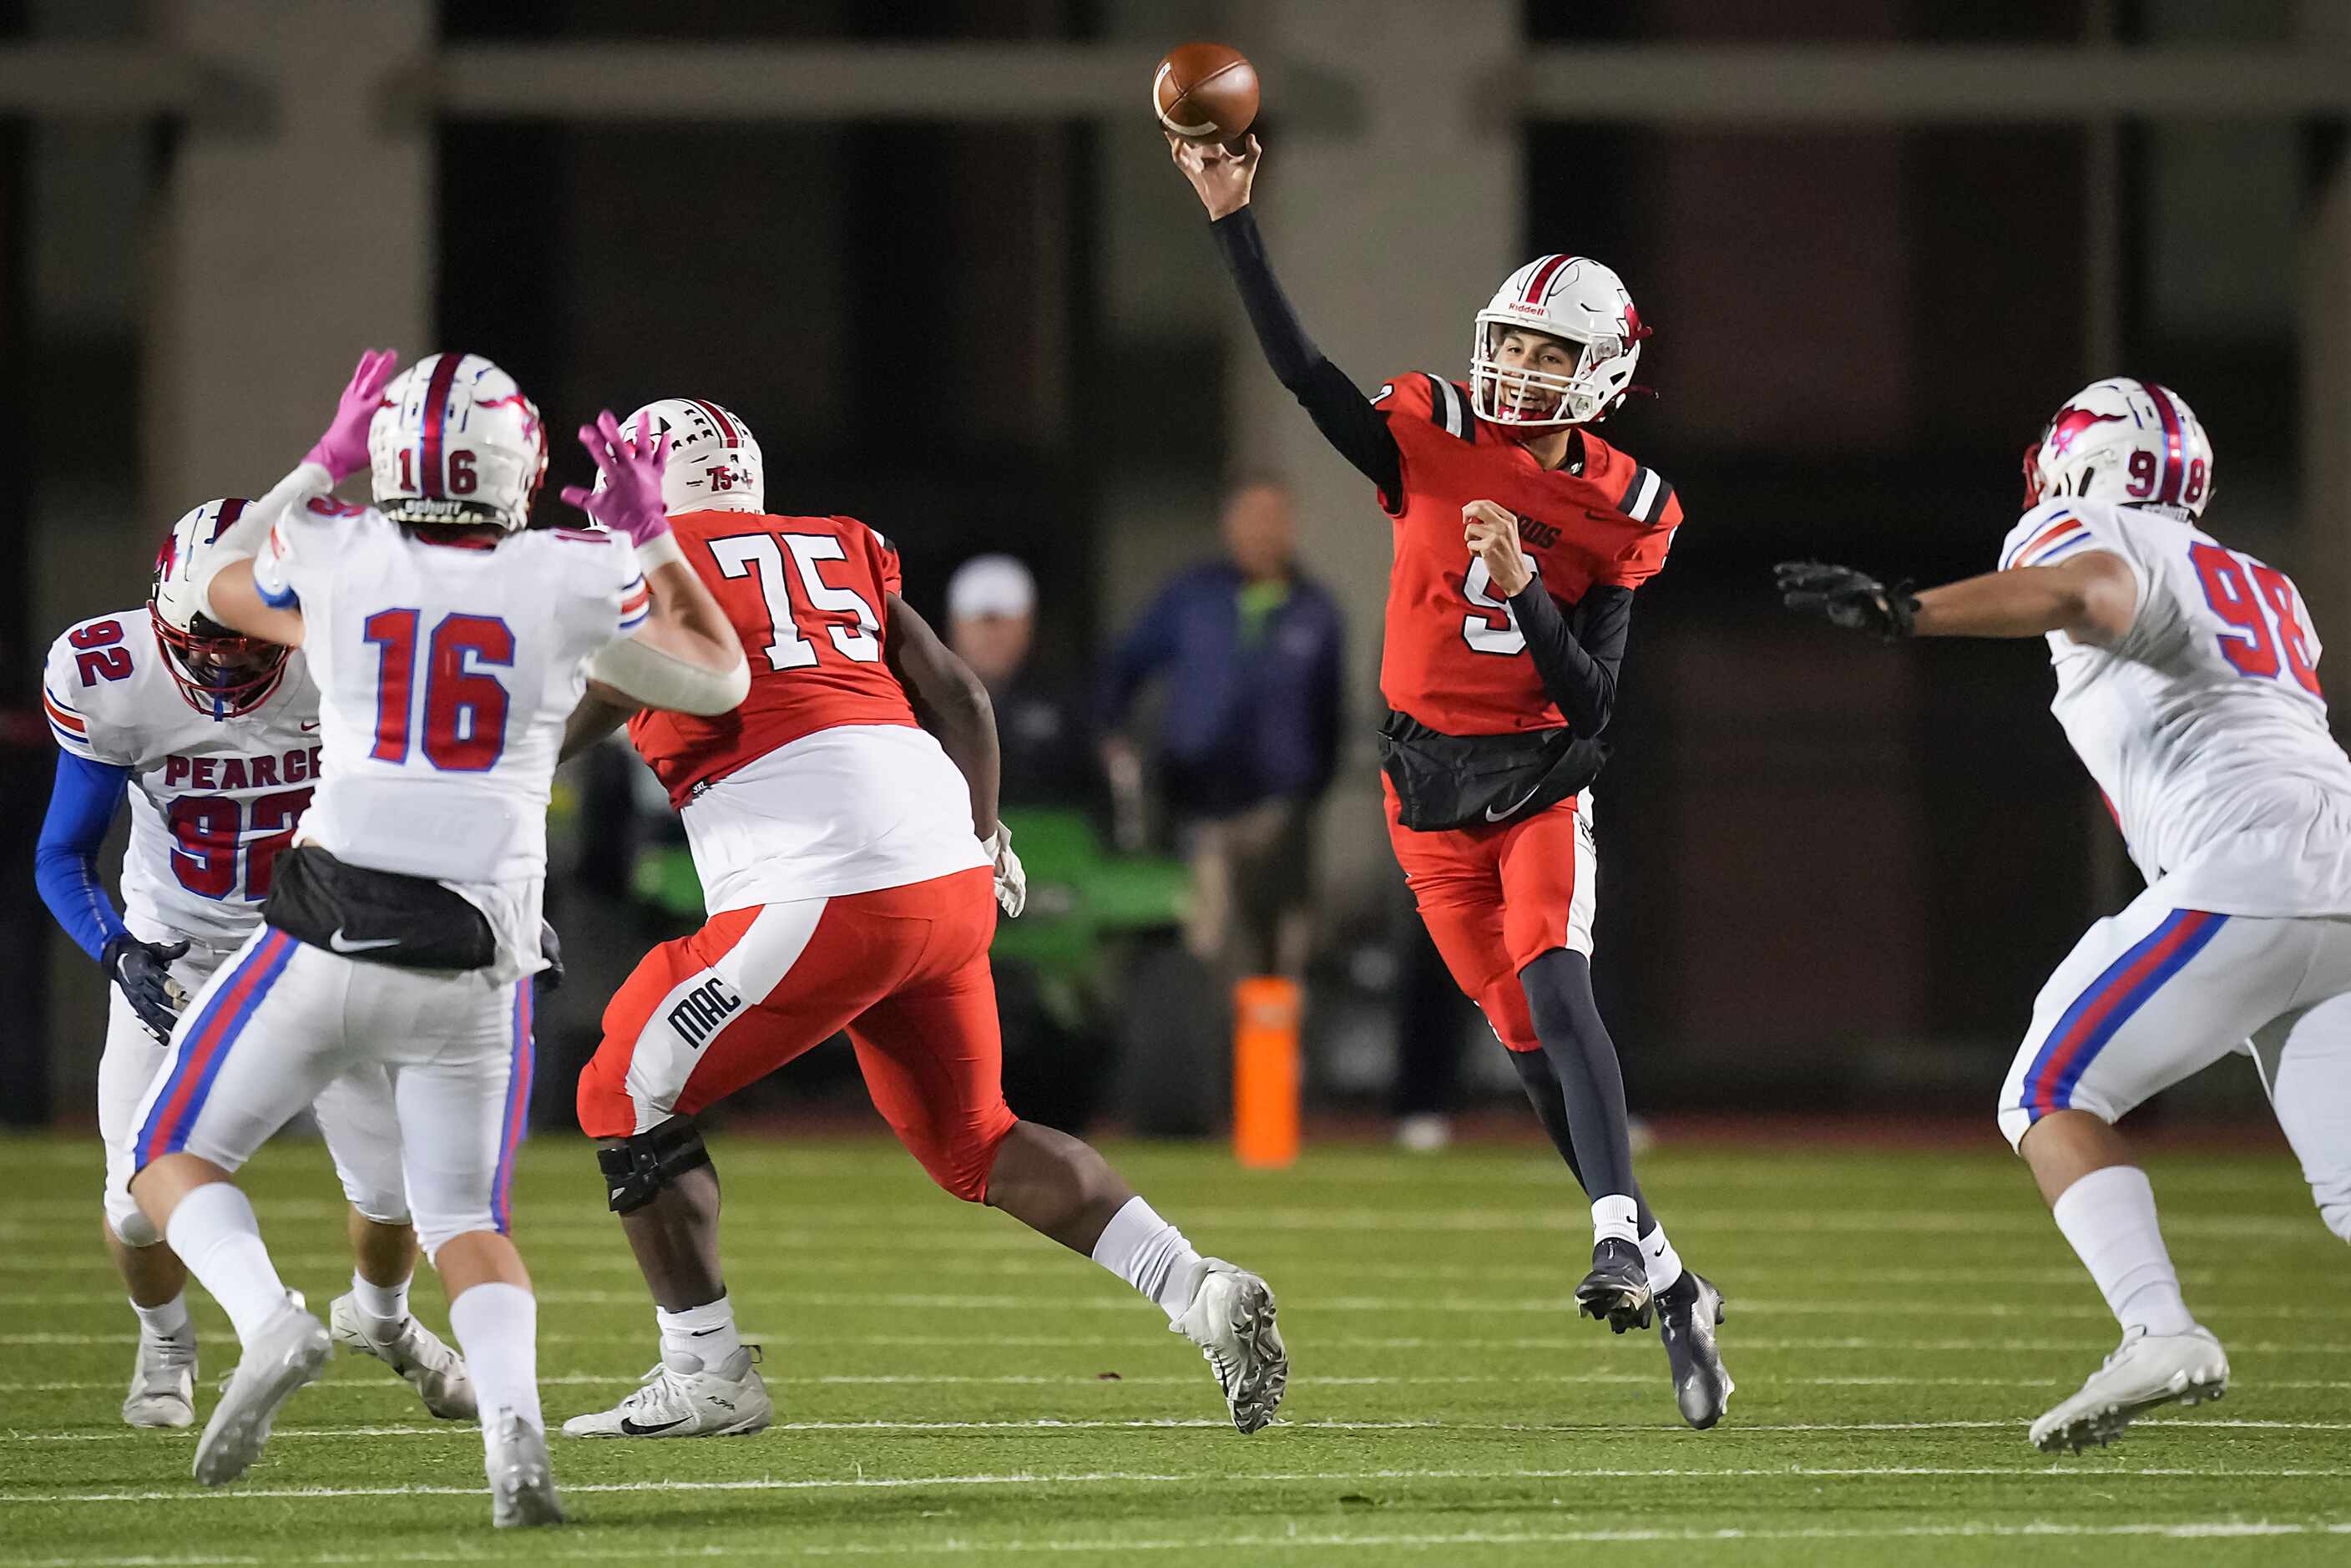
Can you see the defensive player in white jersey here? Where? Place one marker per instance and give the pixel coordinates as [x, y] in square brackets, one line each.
[402, 926]
[2188, 682]
[212, 738]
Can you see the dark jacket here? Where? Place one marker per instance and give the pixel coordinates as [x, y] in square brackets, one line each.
[1248, 717]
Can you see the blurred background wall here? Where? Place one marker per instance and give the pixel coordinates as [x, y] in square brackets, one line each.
[932, 253]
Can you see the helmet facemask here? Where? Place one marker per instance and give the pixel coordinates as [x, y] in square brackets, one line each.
[1526, 398]
[221, 673]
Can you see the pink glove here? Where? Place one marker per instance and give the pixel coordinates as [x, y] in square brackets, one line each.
[343, 450]
[631, 501]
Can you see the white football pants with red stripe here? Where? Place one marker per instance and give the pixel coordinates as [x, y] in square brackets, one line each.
[283, 1020]
[354, 1112]
[2156, 993]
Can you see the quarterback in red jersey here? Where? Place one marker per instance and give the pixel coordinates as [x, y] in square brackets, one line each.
[852, 865]
[1519, 537]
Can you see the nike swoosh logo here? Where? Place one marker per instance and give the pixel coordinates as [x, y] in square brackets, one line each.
[342, 944]
[309, 727]
[1494, 816]
[630, 1430]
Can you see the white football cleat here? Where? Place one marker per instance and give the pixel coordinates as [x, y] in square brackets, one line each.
[522, 1483]
[1231, 1320]
[416, 1353]
[163, 1381]
[2145, 1371]
[681, 1397]
[285, 1355]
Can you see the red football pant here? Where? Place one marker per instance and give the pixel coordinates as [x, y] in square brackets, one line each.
[904, 969]
[1496, 899]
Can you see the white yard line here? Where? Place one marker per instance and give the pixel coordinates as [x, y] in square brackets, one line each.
[1101, 1298]
[1044, 1264]
[885, 1225]
[1172, 1423]
[1152, 1477]
[361, 1382]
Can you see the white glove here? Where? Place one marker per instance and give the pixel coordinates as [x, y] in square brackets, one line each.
[1011, 881]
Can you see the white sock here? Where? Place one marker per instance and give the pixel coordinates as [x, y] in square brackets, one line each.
[497, 1325]
[216, 1235]
[387, 1304]
[1617, 1216]
[2109, 1217]
[1665, 1264]
[1149, 1254]
[169, 1321]
[705, 1333]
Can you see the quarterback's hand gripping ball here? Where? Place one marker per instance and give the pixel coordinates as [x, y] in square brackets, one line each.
[1222, 177]
[1847, 597]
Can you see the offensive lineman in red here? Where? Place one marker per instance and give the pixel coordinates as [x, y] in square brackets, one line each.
[1520, 537]
[852, 865]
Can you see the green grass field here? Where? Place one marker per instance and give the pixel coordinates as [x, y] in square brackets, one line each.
[950, 1388]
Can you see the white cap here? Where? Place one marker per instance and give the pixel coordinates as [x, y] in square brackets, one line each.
[990, 585]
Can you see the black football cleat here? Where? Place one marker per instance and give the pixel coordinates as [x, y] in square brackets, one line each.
[1617, 1288]
[1687, 1312]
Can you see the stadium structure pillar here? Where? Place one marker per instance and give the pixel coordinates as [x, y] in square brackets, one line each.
[2325, 349]
[1389, 234]
[297, 227]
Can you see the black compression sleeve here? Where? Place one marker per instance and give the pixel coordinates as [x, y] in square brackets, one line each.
[1345, 417]
[1578, 661]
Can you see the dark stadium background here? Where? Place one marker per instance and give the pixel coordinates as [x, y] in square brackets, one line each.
[1833, 876]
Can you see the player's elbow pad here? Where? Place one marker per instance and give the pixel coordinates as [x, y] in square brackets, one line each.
[645, 674]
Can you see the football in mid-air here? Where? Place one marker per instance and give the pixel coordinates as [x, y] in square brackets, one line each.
[1205, 92]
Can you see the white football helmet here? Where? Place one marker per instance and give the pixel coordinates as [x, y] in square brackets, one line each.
[1576, 299]
[714, 461]
[456, 443]
[2130, 441]
[221, 673]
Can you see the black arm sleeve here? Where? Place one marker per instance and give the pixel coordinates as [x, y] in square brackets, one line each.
[1577, 659]
[1345, 417]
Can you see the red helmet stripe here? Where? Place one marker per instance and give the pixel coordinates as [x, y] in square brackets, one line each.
[429, 457]
[718, 417]
[2174, 443]
[231, 509]
[1540, 284]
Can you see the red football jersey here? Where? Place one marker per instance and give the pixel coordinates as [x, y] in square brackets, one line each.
[808, 597]
[1453, 657]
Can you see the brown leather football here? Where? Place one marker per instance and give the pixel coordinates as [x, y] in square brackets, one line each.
[1205, 92]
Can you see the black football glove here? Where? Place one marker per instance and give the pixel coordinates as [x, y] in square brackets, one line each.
[1847, 597]
[143, 970]
[550, 947]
